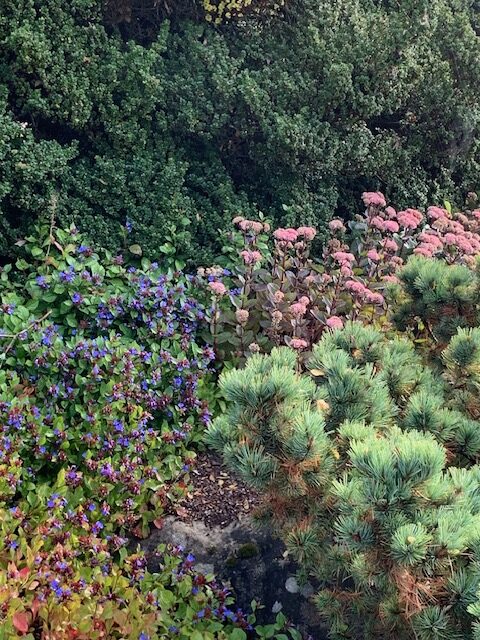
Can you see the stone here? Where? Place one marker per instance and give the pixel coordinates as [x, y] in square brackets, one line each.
[266, 577]
[291, 585]
[277, 607]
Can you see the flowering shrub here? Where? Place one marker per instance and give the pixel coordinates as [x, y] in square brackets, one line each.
[99, 401]
[355, 464]
[100, 374]
[277, 294]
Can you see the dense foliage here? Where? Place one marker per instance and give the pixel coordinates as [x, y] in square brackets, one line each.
[98, 406]
[275, 292]
[366, 470]
[119, 112]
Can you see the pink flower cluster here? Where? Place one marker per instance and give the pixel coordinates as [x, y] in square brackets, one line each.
[298, 343]
[251, 257]
[285, 235]
[299, 309]
[293, 235]
[250, 225]
[334, 322]
[336, 225]
[456, 237]
[409, 219]
[373, 199]
[363, 293]
[218, 288]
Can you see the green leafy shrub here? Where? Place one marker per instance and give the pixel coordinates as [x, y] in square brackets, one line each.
[100, 372]
[355, 466]
[63, 578]
[155, 120]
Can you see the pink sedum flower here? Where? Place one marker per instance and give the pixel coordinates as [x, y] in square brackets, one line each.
[409, 219]
[373, 199]
[390, 245]
[297, 309]
[334, 322]
[218, 288]
[285, 235]
[378, 223]
[373, 255]
[343, 257]
[308, 233]
[391, 226]
[337, 225]
[298, 343]
[424, 250]
[391, 279]
[437, 213]
[242, 316]
[374, 297]
[346, 270]
[251, 257]
[251, 225]
[355, 287]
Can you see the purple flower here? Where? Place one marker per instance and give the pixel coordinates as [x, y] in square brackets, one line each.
[67, 276]
[41, 281]
[77, 298]
[97, 527]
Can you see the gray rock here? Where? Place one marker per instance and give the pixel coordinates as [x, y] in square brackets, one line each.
[307, 590]
[291, 585]
[266, 577]
[277, 607]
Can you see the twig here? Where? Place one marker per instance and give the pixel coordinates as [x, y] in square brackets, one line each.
[16, 335]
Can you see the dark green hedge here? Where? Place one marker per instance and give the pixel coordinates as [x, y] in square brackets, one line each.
[294, 115]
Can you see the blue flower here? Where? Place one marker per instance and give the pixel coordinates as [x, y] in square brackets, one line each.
[97, 527]
[41, 281]
[77, 298]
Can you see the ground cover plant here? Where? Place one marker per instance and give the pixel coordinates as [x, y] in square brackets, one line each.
[99, 408]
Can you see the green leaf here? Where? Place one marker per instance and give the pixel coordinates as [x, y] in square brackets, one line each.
[136, 249]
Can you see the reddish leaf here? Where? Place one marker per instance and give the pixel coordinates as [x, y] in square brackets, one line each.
[35, 606]
[158, 523]
[21, 621]
[24, 572]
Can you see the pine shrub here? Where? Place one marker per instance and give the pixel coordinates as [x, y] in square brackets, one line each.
[367, 468]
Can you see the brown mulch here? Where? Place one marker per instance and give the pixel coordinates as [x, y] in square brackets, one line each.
[217, 497]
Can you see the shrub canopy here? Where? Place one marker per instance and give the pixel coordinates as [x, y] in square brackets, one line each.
[163, 121]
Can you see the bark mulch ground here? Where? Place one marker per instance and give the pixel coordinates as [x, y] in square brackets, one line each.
[217, 498]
